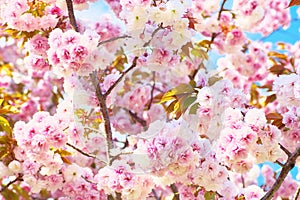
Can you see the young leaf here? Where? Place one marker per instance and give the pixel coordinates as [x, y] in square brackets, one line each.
[4, 125]
[210, 196]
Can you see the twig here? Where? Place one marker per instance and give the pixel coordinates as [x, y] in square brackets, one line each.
[243, 180]
[290, 163]
[155, 195]
[133, 65]
[85, 153]
[93, 129]
[297, 194]
[154, 3]
[137, 118]
[113, 39]
[134, 62]
[213, 37]
[153, 34]
[222, 9]
[19, 178]
[71, 15]
[118, 155]
[175, 191]
[288, 153]
[279, 163]
[118, 196]
[102, 101]
[91, 182]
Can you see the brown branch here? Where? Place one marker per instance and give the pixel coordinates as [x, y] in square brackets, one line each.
[175, 191]
[137, 118]
[213, 37]
[290, 163]
[118, 196]
[297, 194]
[288, 153]
[113, 39]
[155, 195]
[72, 15]
[19, 178]
[113, 158]
[80, 151]
[279, 163]
[103, 108]
[134, 62]
[133, 65]
[85, 154]
[160, 26]
[243, 180]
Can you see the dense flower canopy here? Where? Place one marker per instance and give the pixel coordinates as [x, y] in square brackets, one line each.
[132, 108]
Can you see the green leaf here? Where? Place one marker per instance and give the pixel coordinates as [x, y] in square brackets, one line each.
[21, 192]
[63, 152]
[193, 109]
[9, 195]
[210, 195]
[177, 92]
[1, 101]
[3, 152]
[187, 102]
[212, 80]
[5, 126]
[204, 43]
[4, 139]
[199, 53]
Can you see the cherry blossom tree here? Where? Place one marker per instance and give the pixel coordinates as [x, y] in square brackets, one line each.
[133, 108]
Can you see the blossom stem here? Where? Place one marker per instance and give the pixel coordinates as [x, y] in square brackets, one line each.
[289, 164]
[18, 178]
[113, 39]
[133, 65]
[72, 15]
[297, 194]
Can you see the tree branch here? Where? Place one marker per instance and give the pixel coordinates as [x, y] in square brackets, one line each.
[137, 118]
[85, 154]
[113, 39]
[71, 15]
[297, 194]
[133, 65]
[288, 153]
[80, 151]
[19, 178]
[213, 37]
[103, 108]
[290, 163]
[155, 195]
[175, 191]
[160, 26]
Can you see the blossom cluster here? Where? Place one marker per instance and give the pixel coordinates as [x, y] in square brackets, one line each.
[70, 52]
[159, 123]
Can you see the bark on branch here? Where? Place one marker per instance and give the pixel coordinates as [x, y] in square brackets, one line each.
[18, 178]
[289, 164]
[104, 110]
[71, 15]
